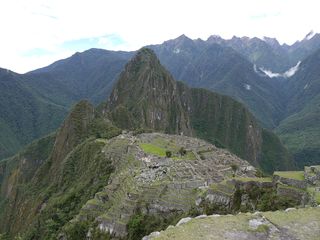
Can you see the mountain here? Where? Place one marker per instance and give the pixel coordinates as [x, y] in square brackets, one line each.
[302, 49]
[223, 70]
[223, 66]
[34, 104]
[88, 75]
[266, 52]
[300, 130]
[91, 177]
[24, 115]
[147, 96]
[105, 182]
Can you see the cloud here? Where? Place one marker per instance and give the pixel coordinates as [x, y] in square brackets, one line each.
[287, 74]
[128, 25]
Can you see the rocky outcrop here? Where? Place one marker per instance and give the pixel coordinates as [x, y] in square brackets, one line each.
[312, 175]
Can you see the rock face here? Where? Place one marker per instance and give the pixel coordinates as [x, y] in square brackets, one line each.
[296, 224]
[146, 96]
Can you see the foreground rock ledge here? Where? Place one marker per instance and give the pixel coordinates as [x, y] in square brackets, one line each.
[292, 224]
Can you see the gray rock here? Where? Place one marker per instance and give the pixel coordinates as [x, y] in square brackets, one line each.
[183, 221]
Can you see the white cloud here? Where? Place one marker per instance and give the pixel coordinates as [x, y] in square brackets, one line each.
[47, 24]
[292, 71]
[287, 74]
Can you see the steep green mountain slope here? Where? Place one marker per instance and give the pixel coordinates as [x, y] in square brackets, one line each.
[24, 115]
[146, 96]
[34, 104]
[46, 184]
[300, 131]
[88, 75]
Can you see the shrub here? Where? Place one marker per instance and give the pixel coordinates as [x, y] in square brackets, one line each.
[182, 151]
[234, 168]
[168, 154]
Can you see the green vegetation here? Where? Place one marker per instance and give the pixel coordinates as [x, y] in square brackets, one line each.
[153, 149]
[168, 154]
[274, 155]
[141, 224]
[258, 179]
[102, 128]
[187, 156]
[297, 175]
[234, 168]
[315, 194]
[40, 116]
[162, 152]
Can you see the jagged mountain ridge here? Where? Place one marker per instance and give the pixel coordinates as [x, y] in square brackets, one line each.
[268, 53]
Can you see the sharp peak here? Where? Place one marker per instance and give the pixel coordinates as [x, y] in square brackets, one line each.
[182, 37]
[146, 51]
[144, 55]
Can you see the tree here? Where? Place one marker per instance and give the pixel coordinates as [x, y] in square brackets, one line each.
[182, 151]
[168, 154]
[234, 168]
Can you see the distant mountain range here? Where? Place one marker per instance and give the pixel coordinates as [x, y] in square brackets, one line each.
[239, 67]
[104, 165]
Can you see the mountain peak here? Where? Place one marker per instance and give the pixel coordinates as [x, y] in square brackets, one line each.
[310, 35]
[145, 59]
[183, 37]
[145, 95]
[145, 55]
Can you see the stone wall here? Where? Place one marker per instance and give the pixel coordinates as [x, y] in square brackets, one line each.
[290, 182]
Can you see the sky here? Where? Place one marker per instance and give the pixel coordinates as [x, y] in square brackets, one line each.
[35, 33]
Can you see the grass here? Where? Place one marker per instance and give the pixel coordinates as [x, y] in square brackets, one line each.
[223, 188]
[159, 146]
[248, 179]
[153, 149]
[314, 193]
[296, 175]
[302, 223]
